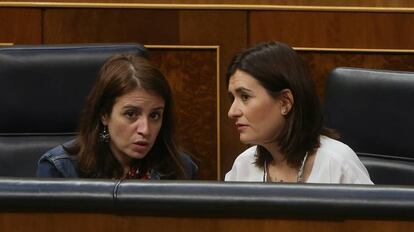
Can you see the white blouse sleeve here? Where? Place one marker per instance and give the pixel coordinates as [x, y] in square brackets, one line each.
[337, 163]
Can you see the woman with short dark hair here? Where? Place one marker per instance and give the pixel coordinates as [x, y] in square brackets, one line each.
[126, 129]
[276, 108]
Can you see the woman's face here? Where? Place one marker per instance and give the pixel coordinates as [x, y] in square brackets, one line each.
[259, 117]
[134, 124]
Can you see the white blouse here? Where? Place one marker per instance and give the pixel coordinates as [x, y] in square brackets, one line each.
[335, 163]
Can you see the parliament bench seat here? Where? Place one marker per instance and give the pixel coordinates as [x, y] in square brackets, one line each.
[42, 92]
[373, 111]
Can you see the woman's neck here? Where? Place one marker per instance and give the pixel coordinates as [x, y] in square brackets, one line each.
[278, 170]
[278, 157]
[124, 160]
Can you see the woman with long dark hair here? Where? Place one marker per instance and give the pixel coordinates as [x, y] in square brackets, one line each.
[126, 129]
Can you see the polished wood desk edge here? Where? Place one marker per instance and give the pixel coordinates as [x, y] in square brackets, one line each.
[68, 4]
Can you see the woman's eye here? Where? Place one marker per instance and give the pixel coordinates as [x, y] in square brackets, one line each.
[155, 116]
[130, 114]
[244, 97]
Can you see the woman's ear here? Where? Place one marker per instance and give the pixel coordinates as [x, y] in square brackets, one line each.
[104, 120]
[287, 101]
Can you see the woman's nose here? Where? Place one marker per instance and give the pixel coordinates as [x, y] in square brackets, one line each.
[234, 110]
[143, 126]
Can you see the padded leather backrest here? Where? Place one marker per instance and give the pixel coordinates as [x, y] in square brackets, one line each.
[373, 111]
[42, 92]
[388, 170]
[207, 199]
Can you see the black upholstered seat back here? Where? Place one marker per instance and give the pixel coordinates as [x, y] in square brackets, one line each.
[42, 92]
[373, 111]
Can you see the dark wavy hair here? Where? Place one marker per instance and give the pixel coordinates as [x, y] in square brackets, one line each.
[118, 76]
[277, 67]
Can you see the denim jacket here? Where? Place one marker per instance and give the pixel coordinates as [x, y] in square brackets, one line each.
[58, 163]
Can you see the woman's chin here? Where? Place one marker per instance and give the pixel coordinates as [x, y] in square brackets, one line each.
[246, 140]
[137, 155]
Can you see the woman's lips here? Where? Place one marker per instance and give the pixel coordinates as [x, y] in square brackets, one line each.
[140, 145]
[241, 126]
[143, 143]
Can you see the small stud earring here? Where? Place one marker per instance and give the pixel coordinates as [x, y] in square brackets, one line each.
[283, 112]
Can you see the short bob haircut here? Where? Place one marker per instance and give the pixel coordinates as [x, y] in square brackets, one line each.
[120, 75]
[277, 67]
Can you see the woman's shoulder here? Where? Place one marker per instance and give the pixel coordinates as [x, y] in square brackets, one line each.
[244, 168]
[335, 149]
[57, 162]
[247, 156]
[57, 153]
[341, 161]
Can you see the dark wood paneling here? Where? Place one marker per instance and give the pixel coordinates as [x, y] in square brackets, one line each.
[333, 29]
[321, 63]
[195, 97]
[65, 222]
[110, 25]
[20, 26]
[228, 29]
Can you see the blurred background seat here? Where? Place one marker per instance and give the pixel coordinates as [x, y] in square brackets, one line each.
[373, 111]
[42, 92]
